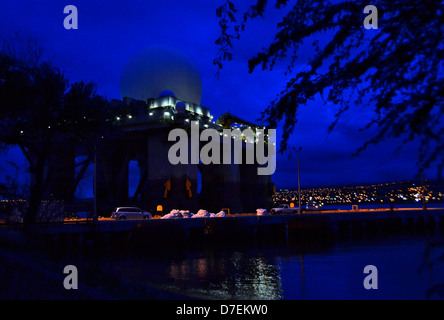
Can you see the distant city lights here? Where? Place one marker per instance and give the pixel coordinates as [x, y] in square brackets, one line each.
[401, 192]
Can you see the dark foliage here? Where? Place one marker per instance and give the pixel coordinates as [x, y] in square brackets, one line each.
[396, 69]
[40, 112]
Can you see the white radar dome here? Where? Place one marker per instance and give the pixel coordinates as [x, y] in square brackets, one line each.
[157, 70]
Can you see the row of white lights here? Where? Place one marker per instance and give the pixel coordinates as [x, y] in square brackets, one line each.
[166, 113]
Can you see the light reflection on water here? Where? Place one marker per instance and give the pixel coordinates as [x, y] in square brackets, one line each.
[236, 275]
[334, 272]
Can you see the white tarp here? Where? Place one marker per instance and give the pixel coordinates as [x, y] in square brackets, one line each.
[221, 214]
[185, 214]
[201, 214]
[174, 214]
[261, 212]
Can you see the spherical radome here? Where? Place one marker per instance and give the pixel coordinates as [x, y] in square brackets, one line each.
[158, 69]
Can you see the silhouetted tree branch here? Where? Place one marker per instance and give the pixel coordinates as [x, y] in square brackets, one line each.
[398, 68]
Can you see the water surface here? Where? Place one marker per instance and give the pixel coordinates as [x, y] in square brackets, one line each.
[408, 267]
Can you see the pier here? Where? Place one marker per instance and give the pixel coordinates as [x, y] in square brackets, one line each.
[313, 226]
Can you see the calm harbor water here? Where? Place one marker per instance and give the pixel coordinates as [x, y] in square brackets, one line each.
[408, 267]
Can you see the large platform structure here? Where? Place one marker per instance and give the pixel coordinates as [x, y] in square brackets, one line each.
[141, 134]
[144, 139]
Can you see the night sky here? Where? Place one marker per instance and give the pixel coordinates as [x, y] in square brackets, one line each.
[112, 31]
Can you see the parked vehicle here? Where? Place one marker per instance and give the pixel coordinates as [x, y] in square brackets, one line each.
[130, 213]
[284, 209]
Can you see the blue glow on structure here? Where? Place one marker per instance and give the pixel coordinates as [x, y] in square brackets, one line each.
[166, 93]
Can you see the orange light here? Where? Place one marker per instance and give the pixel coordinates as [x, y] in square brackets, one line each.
[159, 208]
[291, 205]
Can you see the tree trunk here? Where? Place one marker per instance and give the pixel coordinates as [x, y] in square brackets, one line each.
[36, 190]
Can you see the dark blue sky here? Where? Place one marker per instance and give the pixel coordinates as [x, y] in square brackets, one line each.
[112, 31]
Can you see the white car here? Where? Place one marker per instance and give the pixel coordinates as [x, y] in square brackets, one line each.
[284, 209]
[134, 213]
